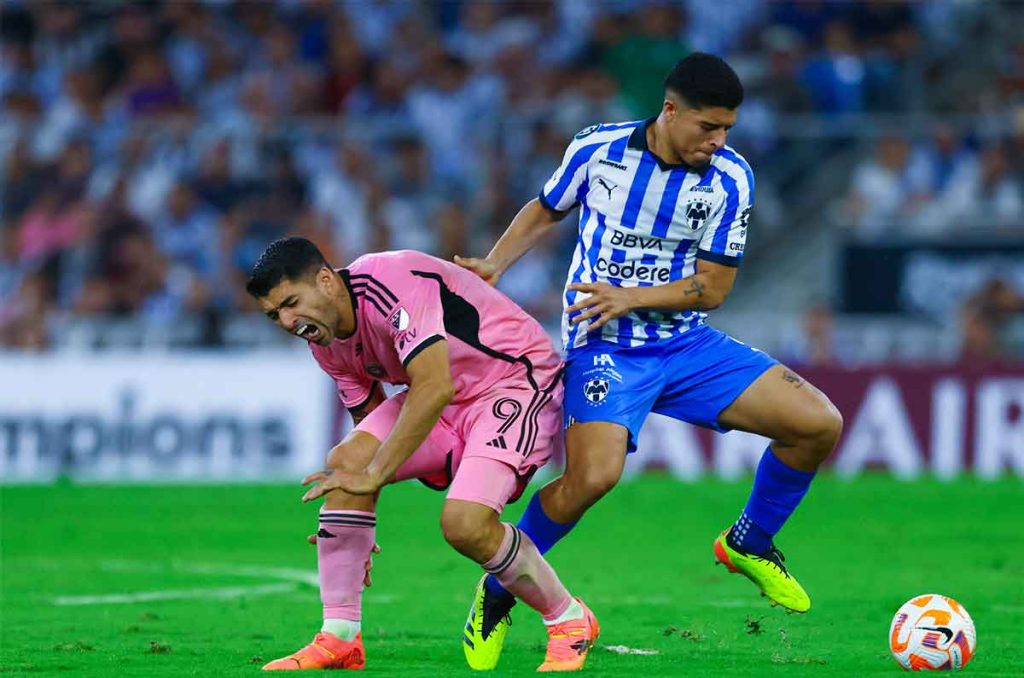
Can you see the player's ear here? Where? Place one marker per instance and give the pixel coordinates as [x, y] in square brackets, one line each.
[671, 107]
[325, 279]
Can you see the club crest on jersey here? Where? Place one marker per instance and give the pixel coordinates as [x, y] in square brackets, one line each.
[399, 319]
[596, 390]
[696, 213]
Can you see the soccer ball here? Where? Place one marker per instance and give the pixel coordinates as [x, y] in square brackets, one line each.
[932, 633]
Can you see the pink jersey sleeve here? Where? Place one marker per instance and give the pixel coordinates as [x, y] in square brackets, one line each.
[353, 389]
[413, 318]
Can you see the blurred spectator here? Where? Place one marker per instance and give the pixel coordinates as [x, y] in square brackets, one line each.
[535, 283]
[13, 269]
[817, 344]
[79, 110]
[190, 134]
[411, 207]
[185, 232]
[382, 98]
[451, 114]
[341, 193]
[943, 157]
[288, 85]
[780, 86]
[50, 226]
[719, 31]
[132, 33]
[639, 57]
[215, 183]
[885, 191]
[23, 318]
[483, 31]
[809, 18]
[984, 194]
[187, 53]
[21, 180]
[592, 97]
[836, 75]
[986, 318]
[346, 68]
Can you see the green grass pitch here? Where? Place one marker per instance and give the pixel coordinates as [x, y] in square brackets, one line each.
[642, 560]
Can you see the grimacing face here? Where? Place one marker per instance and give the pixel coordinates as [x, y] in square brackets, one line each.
[307, 307]
[696, 133]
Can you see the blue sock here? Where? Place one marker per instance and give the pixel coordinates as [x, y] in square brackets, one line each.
[541, 530]
[778, 490]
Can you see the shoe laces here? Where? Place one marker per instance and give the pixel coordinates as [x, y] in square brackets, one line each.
[567, 640]
[775, 557]
[496, 608]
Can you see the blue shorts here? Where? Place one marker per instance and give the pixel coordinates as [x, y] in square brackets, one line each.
[692, 377]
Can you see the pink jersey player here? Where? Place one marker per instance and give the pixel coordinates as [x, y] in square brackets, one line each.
[504, 368]
[481, 414]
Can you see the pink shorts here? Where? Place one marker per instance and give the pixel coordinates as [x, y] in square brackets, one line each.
[513, 426]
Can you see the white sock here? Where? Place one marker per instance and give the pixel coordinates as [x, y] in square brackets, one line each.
[574, 611]
[346, 629]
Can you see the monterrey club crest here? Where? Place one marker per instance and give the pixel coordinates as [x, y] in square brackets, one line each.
[596, 390]
[696, 213]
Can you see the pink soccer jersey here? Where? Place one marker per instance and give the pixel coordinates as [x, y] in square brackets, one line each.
[405, 301]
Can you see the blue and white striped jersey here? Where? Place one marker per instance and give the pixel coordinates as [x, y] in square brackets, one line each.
[644, 222]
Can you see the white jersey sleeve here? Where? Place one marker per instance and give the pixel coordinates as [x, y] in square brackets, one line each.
[724, 239]
[567, 186]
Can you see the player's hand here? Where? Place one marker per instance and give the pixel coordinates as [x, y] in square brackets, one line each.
[484, 268]
[607, 301]
[368, 566]
[353, 483]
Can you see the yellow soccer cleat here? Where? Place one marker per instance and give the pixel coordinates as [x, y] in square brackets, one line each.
[486, 627]
[767, 571]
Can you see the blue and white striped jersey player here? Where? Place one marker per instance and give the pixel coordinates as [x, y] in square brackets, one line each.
[664, 210]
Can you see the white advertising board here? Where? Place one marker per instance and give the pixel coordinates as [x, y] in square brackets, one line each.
[154, 418]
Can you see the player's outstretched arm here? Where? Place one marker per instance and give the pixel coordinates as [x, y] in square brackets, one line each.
[530, 225]
[430, 390]
[703, 291]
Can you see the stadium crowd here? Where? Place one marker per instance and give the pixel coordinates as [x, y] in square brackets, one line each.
[149, 151]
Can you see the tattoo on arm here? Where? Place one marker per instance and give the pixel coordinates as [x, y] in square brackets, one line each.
[696, 287]
[793, 378]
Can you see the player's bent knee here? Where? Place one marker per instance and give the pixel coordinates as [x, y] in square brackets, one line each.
[823, 429]
[590, 484]
[353, 454]
[468, 531]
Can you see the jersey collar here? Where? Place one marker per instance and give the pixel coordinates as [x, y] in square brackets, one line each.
[638, 141]
[344, 273]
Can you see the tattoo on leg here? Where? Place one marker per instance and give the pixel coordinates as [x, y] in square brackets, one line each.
[696, 287]
[793, 378]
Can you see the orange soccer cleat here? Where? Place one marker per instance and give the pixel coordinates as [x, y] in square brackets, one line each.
[327, 651]
[569, 642]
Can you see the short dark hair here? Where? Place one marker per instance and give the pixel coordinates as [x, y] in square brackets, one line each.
[705, 80]
[284, 259]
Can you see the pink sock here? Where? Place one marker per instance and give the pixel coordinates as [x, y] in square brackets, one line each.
[343, 544]
[524, 573]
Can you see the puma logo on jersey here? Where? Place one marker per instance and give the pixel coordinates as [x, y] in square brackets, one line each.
[606, 186]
